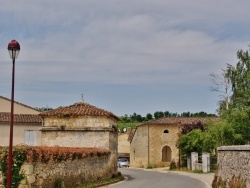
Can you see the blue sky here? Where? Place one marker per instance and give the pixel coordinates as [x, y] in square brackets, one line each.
[124, 56]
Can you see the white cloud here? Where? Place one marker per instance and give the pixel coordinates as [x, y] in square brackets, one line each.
[122, 42]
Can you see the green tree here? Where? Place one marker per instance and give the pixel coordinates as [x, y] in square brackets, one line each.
[185, 114]
[238, 114]
[149, 116]
[239, 77]
[167, 114]
[158, 114]
[198, 139]
[224, 134]
[43, 109]
[125, 118]
[191, 142]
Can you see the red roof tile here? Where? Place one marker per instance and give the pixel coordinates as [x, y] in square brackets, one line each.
[21, 118]
[78, 109]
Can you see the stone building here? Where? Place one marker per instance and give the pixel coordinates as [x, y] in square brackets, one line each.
[80, 125]
[27, 123]
[123, 145]
[154, 142]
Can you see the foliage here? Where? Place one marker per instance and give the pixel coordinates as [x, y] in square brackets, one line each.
[150, 166]
[225, 134]
[194, 138]
[122, 125]
[237, 182]
[239, 121]
[18, 160]
[59, 183]
[149, 116]
[135, 119]
[43, 109]
[172, 165]
[198, 171]
[43, 154]
[190, 142]
[234, 182]
[188, 128]
[207, 140]
[197, 114]
[240, 79]
[238, 113]
[158, 114]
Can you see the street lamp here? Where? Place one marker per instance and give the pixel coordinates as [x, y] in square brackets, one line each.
[13, 49]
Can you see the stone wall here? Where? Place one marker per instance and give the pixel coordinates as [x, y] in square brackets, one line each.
[81, 131]
[79, 121]
[234, 161]
[76, 138]
[123, 145]
[72, 172]
[139, 148]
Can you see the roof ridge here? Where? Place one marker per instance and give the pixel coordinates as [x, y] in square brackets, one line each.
[77, 109]
[176, 120]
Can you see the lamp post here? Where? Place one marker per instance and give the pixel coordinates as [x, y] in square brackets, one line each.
[13, 49]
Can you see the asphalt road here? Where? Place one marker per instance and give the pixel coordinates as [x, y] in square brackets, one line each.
[137, 178]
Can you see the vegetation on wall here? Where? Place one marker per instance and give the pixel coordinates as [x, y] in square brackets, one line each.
[42, 154]
[234, 182]
[18, 160]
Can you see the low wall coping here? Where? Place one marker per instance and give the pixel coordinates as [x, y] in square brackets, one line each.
[234, 148]
[63, 128]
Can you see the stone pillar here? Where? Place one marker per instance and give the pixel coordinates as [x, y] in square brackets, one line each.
[206, 162]
[194, 159]
[189, 163]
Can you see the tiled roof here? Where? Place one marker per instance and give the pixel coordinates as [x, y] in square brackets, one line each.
[21, 118]
[173, 121]
[18, 103]
[178, 120]
[78, 109]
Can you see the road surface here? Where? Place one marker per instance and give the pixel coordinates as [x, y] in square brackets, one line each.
[140, 178]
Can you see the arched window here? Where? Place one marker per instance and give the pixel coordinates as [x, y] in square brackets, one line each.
[166, 131]
[166, 154]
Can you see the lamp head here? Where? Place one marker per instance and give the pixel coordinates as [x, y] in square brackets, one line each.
[13, 48]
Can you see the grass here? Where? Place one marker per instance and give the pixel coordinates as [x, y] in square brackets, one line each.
[122, 125]
[98, 183]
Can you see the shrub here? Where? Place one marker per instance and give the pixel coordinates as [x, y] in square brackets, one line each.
[172, 165]
[59, 183]
[150, 166]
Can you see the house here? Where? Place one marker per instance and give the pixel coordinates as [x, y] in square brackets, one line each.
[80, 125]
[154, 142]
[124, 145]
[26, 125]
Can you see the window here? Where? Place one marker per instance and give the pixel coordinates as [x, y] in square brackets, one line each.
[30, 137]
[166, 131]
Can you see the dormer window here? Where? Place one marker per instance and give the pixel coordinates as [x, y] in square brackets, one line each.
[166, 131]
